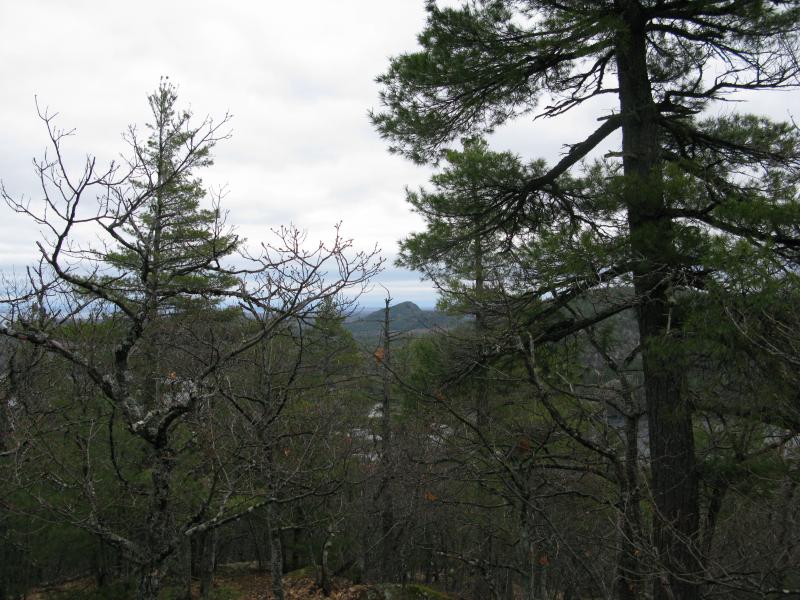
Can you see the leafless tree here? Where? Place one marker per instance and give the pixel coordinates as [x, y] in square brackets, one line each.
[129, 254]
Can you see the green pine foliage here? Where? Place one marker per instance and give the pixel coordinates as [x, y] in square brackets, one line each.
[170, 248]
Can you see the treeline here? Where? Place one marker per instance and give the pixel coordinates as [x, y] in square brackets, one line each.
[616, 417]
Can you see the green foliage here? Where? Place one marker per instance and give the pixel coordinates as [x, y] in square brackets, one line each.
[692, 224]
[453, 86]
[172, 248]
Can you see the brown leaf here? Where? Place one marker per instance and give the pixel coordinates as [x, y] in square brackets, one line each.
[544, 560]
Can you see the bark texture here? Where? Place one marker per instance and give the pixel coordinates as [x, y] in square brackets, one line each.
[674, 481]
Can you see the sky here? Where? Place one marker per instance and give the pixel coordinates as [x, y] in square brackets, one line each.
[299, 85]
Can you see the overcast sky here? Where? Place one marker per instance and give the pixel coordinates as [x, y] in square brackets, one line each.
[299, 85]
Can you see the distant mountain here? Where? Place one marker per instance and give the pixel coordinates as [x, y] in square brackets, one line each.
[405, 317]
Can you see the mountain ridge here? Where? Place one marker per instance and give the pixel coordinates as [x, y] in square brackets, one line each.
[404, 317]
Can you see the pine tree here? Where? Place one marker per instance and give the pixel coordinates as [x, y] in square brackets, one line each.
[169, 248]
[464, 234]
[664, 214]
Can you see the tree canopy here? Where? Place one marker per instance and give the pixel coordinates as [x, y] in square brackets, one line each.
[671, 210]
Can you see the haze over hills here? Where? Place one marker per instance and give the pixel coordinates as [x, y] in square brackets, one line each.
[405, 317]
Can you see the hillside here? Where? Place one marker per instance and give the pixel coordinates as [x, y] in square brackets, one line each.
[406, 317]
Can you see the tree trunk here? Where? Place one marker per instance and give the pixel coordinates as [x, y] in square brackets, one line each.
[294, 557]
[255, 535]
[387, 464]
[9, 392]
[672, 459]
[482, 585]
[5, 559]
[629, 568]
[149, 583]
[99, 564]
[5, 554]
[325, 573]
[159, 541]
[529, 547]
[186, 568]
[275, 555]
[786, 530]
[481, 397]
[208, 561]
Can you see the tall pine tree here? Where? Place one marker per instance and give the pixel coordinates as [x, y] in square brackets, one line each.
[665, 209]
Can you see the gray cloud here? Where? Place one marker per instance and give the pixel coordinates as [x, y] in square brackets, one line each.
[299, 87]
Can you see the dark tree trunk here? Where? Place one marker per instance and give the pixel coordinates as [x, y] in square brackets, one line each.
[718, 492]
[5, 554]
[100, 564]
[6, 395]
[5, 561]
[186, 568]
[149, 583]
[159, 541]
[388, 550]
[255, 535]
[294, 557]
[674, 481]
[481, 397]
[786, 526]
[208, 561]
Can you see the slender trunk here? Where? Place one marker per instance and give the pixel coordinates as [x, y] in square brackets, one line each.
[508, 588]
[187, 568]
[325, 573]
[254, 535]
[274, 542]
[5, 557]
[208, 561]
[363, 552]
[629, 567]
[529, 547]
[481, 397]
[787, 534]
[149, 583]
[101, 574]
[718, 492]
[674, 481]
[542, 570]
[294, 558]
[275, 554]
[386, 500]
[482, 585]
[153, 276]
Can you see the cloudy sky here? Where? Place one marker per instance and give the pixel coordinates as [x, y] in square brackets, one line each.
[299, 85]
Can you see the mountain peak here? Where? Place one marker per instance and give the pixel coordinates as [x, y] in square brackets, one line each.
[406, 306]
[403, 317]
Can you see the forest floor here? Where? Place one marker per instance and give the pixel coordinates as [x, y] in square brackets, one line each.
[245, 584]
[251, 585]
[256, 586]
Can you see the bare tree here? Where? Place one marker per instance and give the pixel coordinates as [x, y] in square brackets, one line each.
[129, 254]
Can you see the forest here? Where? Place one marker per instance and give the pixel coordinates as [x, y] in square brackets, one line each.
[604, 405]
